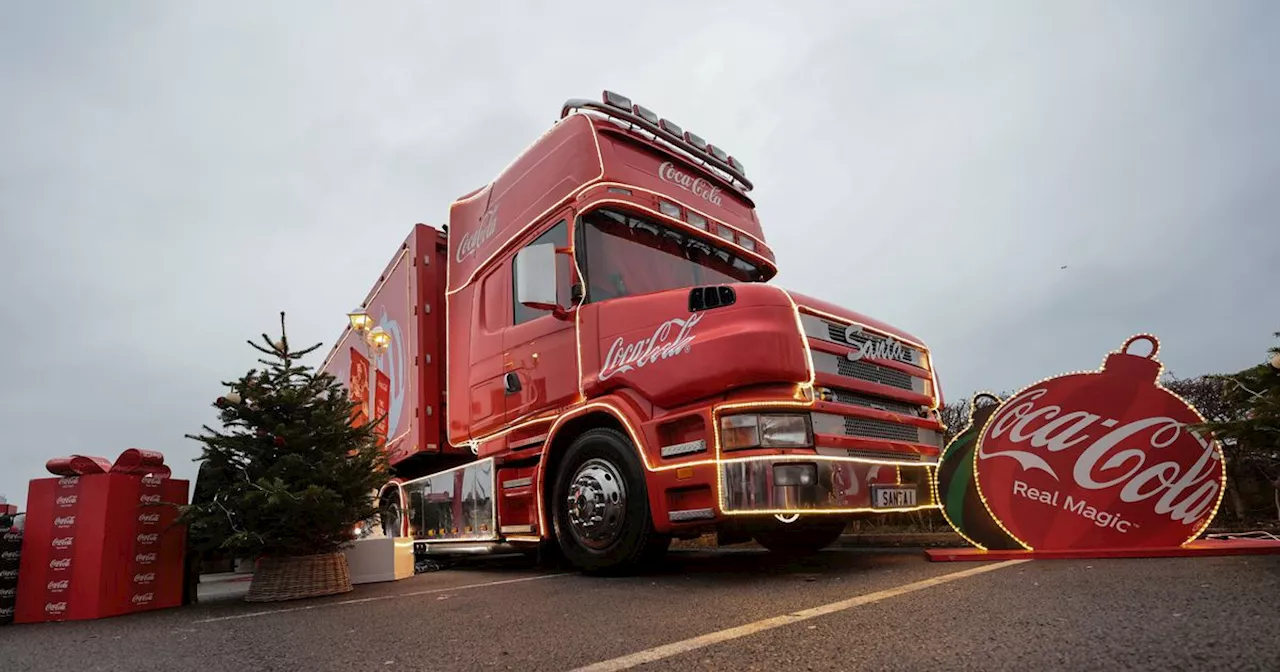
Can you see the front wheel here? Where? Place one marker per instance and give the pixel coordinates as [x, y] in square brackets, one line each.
[600, 505]
[802, 535]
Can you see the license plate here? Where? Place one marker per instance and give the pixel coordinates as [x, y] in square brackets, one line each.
[893, 498]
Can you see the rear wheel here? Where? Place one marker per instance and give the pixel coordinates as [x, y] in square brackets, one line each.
[600, 505]
[801, 536]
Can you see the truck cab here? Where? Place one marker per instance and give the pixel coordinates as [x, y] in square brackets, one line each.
[619, 369]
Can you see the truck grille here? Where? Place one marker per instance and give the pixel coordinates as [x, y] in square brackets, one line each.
[879, 429]
[855, 399]
[874, 374]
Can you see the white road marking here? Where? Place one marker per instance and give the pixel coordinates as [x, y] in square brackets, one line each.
[676, 648]
[382, 597]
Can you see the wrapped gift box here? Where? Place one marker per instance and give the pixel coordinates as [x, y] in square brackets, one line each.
[100, 540]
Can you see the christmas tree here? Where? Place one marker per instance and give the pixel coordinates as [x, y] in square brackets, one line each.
[1253, 435]
[290, 474]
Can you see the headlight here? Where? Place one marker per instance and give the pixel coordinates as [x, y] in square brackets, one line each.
[765, 431]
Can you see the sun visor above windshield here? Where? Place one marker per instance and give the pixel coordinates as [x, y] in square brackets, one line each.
[629, 162]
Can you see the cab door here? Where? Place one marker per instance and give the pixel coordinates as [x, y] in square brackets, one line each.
[541, 367]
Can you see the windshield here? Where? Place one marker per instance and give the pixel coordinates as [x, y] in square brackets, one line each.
[625, 255]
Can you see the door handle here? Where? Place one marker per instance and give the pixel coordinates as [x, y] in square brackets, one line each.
[511, 382]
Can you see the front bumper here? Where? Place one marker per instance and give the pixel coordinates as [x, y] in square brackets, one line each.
[838, 485]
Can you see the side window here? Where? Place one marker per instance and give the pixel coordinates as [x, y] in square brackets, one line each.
[493, 301]
[559, 236]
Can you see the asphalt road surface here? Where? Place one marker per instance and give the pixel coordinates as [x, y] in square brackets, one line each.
[843, 609]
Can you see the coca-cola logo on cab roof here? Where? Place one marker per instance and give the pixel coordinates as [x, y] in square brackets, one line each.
[1099, 460]
[697, 186]
[472, 241]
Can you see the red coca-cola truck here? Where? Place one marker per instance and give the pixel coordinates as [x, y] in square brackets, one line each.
[590, 356]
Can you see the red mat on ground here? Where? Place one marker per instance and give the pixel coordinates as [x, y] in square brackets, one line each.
[1199, 547]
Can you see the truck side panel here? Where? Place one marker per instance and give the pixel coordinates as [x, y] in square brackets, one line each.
[431, 260]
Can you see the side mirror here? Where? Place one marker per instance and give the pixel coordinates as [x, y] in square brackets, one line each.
[536, 277]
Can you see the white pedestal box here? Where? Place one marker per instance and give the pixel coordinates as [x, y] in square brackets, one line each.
[380, 559]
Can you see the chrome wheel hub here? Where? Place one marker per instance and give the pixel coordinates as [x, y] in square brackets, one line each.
[597, 503]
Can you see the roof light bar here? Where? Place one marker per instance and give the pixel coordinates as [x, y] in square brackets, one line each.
[617, 100]
[645, 113]
[623, 109]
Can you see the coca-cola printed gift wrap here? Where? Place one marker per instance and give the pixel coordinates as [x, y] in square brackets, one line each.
[1100, 460]
[10, 554]
[100, 539]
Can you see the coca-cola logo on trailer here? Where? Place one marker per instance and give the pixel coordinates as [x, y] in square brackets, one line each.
[697, 186]
[662, 344]
[1099, 460]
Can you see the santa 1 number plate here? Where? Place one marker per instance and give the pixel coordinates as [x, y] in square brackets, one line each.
[892, 497]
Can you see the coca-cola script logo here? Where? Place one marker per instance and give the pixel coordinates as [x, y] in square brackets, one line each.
[6, 614]
[64, 521]
[148, 518]
[889, 348]
[68, 481]
[697, 186]
[143, 598]
[55, 607]
[148, 538]
[144, 558]
[58, 586]
[63, 542]
[1094, 461]
[66, 500]
[144, 578]
[60, 564]
[151, 481]
[9, 574]
[472, 241]
[662, 344]
[149, 499]
[10, 555]
[6, 593]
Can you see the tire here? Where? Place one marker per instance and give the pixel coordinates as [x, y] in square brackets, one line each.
[802, 537]
[603, 474]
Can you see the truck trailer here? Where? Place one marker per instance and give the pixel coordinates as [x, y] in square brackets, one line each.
[589, 359]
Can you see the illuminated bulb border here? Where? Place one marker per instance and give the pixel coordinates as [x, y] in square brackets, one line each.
[1155, 343]
[969, 425]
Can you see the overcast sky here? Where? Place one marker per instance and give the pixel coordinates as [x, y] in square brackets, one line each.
[173, 174]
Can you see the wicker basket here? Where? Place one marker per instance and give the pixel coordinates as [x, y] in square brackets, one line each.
[293, 578]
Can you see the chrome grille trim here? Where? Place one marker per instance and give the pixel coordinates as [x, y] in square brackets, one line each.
[828, 363]
[833, 332]
[870, 428]
[908, 459]
[879, 403]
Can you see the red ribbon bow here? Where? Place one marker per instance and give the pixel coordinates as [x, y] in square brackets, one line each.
[133, 461]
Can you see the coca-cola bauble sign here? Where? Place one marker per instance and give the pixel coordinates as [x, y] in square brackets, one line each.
[1100, 460]
[956, 492]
